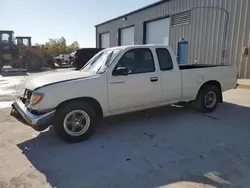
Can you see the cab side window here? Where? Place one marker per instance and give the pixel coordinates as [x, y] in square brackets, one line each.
[164, 58]
[137, 61]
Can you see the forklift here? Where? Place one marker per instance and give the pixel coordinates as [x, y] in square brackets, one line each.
[18, 52]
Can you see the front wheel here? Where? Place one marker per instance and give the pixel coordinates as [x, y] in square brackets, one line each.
[1, 63]
[51, 64]
[33, 63]
[208, 99]
[75, 121]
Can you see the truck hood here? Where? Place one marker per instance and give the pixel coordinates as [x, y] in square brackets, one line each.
[53, 78]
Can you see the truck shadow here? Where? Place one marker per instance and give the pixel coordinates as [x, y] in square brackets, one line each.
[149, 149]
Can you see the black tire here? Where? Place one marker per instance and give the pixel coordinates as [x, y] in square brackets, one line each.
[33, 63]
[1, 63]
[68, 108]
[51, 64]
[72, 64]
[59, 62]
[78, 67]
[23, 60]
[205, 91]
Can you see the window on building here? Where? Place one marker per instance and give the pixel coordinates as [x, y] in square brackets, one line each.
[164, 58]
[137, 61]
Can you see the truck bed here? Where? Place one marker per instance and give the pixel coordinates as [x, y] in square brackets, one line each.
[194, 76]
[198, 66]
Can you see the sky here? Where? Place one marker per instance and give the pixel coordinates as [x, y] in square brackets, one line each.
[72, 19]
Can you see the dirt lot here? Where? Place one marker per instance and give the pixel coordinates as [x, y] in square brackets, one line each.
[170, 147]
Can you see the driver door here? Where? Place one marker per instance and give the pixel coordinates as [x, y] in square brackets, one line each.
[139, 89]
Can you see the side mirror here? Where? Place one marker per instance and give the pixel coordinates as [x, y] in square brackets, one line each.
[123, 71]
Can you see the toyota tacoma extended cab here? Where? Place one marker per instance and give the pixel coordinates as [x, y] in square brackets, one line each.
[115, 81]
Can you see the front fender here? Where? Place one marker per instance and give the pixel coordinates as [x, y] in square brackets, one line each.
[94, 87]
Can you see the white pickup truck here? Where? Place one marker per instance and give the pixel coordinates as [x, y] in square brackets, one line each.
[115, 81]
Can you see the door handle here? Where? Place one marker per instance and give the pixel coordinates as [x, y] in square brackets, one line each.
[153, 79]
[118, 82]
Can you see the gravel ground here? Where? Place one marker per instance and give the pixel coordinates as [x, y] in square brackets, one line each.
[173, 147]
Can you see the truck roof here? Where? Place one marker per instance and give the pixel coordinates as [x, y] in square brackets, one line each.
[22, 37]
[140, 46]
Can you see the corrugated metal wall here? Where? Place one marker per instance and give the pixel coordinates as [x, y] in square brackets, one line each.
[205, 32]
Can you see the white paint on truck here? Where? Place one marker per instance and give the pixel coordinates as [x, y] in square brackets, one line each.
[120, 80]
[135, 91]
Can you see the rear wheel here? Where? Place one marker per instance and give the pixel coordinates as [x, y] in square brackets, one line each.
[208, 99]
[75, 121]
[72, 64]
[59, 62]
[33, 63]
[78, 66]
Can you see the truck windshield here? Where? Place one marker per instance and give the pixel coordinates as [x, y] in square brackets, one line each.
[101, 61]
[5, 38]
[72, 54]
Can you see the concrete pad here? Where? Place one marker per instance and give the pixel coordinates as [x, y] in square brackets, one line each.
[171, 147]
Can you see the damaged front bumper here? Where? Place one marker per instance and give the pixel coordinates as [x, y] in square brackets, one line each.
[37, 122]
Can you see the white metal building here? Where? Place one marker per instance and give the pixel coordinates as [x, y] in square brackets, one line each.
[216, 30]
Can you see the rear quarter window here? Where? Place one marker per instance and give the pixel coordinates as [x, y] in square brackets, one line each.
[165, 59]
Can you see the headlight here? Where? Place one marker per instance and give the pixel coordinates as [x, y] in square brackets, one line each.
[36, 98]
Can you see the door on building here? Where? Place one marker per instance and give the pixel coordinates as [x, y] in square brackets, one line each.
[157, 32]
[105, 40]
[127, 36]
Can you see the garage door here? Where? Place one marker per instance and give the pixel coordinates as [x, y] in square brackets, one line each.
[157, 32]
[127, 36]
[105, 40]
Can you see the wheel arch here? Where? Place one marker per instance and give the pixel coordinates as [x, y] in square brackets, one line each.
[91, 101]
[212, 83]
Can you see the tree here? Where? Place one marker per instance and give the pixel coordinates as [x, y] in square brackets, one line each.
[74, 46]
[56, 46]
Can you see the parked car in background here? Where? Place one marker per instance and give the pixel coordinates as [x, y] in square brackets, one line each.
[71, 58]
[80, 57]
[62, 59]
[119, 80]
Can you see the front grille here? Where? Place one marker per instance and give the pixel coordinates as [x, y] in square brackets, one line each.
[26, 97]
[27, 94]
